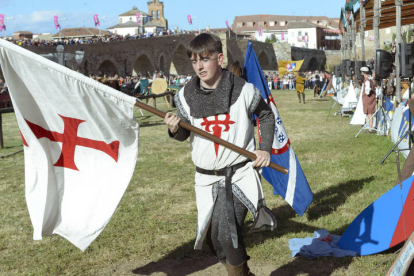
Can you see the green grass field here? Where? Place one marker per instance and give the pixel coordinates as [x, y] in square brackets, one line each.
[153, 230]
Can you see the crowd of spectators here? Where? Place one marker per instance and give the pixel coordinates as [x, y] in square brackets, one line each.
[288, 81]
[4, 95]
[95, 39]
[140, 84]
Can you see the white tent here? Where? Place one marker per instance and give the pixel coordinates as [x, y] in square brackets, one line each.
[359, 116]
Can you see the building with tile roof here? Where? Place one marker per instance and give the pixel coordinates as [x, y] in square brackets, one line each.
[22, 35]
[77, 33]
[312, 36]
[277, 25]
[151, 22]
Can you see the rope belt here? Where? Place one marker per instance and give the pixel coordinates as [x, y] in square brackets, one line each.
[228, 173]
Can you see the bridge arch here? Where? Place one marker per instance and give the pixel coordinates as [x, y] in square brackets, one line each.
[163, 66]
[264, 61]
[106, 64]
[230, 58]
[313, 65]
[108, 68]
[142, 65]
[180, 63]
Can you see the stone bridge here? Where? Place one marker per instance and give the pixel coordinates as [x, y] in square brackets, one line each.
[168, 53]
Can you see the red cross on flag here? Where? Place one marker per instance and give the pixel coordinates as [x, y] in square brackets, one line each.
[80, 145]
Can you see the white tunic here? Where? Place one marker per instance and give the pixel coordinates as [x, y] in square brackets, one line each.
[236, 128]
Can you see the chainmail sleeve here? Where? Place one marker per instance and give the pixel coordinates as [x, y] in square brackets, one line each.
[182, 134]
[267, 121]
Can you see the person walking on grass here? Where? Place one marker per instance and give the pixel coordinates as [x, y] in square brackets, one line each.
[227, 184]
[368, 97]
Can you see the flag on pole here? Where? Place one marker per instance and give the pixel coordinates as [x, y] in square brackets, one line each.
[287, 66]
[2, 26]
[227, 24]
[138, 19]
[342, 21]
[190, 21]
[96, 20]
[80, 145]
[260, 31]
[293, 187]
[283, 36]
[56, 18]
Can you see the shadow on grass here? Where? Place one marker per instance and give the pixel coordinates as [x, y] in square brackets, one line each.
[315, 267]
[10, 147]
[326, 202]
[183, 260]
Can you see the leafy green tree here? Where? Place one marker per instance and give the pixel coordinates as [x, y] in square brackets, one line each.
[272, 39]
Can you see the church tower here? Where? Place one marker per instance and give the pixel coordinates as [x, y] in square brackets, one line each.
[156, 11]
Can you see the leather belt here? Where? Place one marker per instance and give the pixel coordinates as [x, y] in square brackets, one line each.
[228, 173]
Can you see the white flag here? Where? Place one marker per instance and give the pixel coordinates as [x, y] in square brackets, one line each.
[80, 145]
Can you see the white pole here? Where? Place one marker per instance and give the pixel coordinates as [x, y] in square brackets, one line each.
[5, 30]
[398, 4]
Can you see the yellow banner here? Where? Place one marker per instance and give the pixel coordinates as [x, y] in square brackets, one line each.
[287, 66]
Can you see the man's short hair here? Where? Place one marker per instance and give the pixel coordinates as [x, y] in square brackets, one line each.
[204, 45]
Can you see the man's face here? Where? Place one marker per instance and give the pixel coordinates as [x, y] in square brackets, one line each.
[208, 68]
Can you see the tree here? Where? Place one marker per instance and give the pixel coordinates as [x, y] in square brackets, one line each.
[272, 39]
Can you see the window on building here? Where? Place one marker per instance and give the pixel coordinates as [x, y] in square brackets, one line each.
[306, 33]
[260, 24]
[239, 24]
[300, 33]
[152, 14]
[388, 30]
[271, 23]
[249, 24]
[130, 19]
[282, 23]
[158, 14]
[366, 33]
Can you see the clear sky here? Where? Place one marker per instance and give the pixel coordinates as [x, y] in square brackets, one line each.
[37, 15]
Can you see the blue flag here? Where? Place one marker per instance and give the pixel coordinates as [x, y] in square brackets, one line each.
[389, 106]
[293, 187]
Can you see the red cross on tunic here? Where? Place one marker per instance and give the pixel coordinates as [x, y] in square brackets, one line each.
[70, 139]
[216, 128]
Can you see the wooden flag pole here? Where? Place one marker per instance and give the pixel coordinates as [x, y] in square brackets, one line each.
[210, 136]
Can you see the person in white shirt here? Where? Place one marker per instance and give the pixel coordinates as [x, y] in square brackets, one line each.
[368, 97]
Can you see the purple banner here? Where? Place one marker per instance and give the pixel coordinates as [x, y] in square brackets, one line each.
[283, 36]
[138, 19]
[260, 31]
[56, 17]
[190, 21]
[2, 26]
[96, 20]
[227, 24]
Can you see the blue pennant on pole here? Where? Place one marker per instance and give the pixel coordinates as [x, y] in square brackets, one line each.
[293, 187]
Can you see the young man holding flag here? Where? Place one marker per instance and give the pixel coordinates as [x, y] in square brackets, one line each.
[227, 184]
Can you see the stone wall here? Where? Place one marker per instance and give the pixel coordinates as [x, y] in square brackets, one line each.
[130, 57]
[283, 51]
[333, 58]
[314, 59]
[168, 53]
